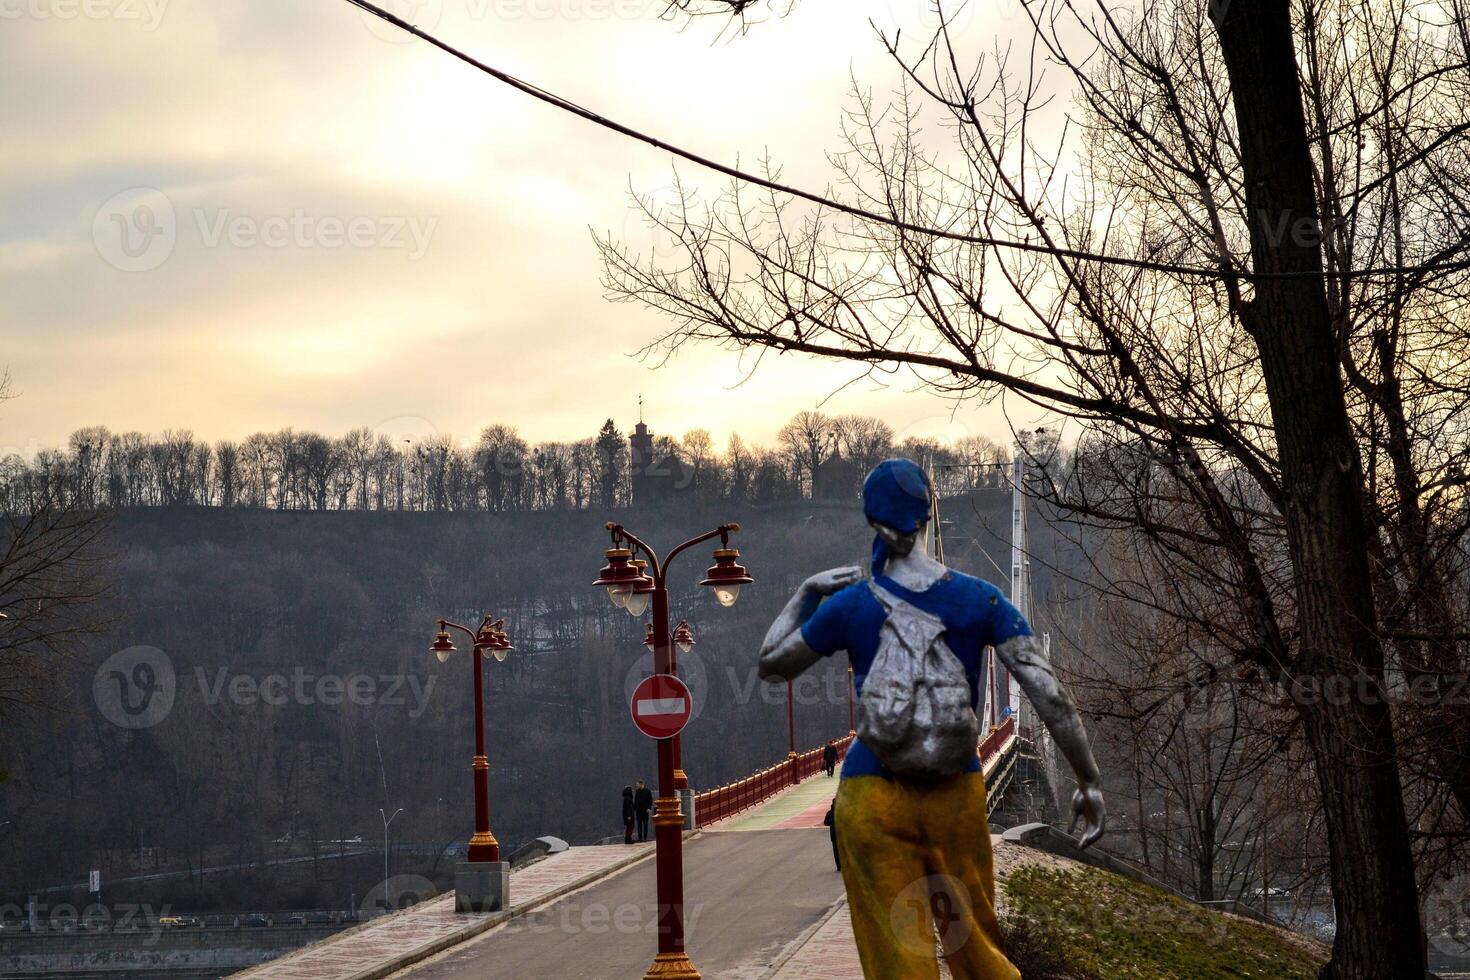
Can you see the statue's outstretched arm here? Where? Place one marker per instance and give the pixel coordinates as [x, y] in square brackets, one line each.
[1029, 665]
[784, 654]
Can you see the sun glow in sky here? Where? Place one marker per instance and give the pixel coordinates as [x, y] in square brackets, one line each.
[242, 217]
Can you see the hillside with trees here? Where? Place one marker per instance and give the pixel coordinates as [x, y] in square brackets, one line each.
[293, 601]
[258, 603]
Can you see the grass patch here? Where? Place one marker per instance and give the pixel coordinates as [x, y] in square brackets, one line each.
[1096, 924]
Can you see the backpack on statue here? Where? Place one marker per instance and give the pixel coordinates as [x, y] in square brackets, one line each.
[915, 712]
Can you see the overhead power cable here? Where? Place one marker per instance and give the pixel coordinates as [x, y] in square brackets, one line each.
[567, 105]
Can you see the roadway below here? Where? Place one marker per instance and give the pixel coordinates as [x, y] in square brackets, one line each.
[748, 896]
[213, 869]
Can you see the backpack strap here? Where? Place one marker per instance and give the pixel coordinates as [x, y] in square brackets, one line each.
[918, 628]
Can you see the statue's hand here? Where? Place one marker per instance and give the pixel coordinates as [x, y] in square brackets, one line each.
[833, 580]
[1087, 807]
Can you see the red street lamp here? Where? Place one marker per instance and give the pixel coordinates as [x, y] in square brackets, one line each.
[726, 577]
[490, 639]
[642, 591]
[618, 575]
[683, 638]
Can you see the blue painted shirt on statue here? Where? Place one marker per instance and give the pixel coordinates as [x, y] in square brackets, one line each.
[975, 613]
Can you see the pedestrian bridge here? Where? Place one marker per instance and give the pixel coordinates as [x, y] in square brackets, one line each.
[762, 899]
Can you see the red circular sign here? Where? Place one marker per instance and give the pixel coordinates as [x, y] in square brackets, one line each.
[661, 706]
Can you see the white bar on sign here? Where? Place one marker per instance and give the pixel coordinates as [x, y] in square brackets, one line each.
[661, 706]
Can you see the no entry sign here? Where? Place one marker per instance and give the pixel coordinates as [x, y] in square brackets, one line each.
[661, 706]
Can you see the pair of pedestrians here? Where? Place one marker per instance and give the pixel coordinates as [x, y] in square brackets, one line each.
[637, 804]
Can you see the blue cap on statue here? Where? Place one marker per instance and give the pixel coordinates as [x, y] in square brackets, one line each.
[896, 495]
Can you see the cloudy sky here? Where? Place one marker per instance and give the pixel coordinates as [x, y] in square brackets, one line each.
[235, 215]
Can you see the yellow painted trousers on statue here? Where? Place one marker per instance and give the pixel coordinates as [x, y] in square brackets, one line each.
[919, 874]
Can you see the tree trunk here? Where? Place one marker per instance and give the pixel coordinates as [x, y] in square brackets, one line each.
[1378, 934]
[1142, 813]
[1373, 890]
[1204, 858]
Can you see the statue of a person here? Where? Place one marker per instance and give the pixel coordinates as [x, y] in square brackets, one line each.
[912, 819]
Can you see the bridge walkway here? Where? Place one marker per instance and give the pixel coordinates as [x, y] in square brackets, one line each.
[430, 926]
[763, 902]
[750, 899]
[801, 806]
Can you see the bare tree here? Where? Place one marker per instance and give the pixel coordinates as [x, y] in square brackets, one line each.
[864, 440]
[500, 458]
[54, 572]
[696, 449]
[808, 441]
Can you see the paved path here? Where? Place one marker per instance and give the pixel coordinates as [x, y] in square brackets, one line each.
[763, 902]
[748, 896]
[812, 792]
[432, 925]
[812, 817]
[830, 953]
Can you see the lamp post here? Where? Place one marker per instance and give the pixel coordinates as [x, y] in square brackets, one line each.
[630, 588]
[683, 641]
[482, 880]
[386, 821]
[791, 731]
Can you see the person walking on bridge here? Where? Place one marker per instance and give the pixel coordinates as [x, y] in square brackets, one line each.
[910, 814]
[829, 758]
[830, 822]
[627, 814]
[642, 806]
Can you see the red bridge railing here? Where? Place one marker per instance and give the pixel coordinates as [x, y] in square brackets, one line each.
[724, 801]
[997, 741]
[999, 750]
